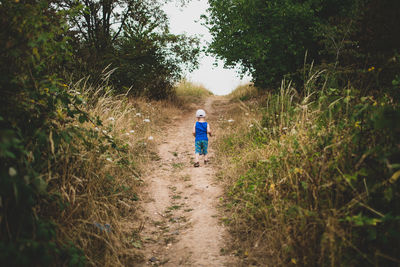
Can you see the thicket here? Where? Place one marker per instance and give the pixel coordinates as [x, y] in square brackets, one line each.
[313, 180]
[312, 166]
[71, 147]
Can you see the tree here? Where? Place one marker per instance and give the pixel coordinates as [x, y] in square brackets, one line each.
[270, 38]
[95, 27]
[150, 59]
[99, 22]
[133, 37]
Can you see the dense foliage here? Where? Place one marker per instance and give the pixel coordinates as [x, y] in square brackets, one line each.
[33, 46]
[314, 180]
[52, 152]
[274, 38]
[152, 62]
[133, 37]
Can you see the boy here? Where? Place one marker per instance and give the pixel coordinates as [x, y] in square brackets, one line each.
[200, 130]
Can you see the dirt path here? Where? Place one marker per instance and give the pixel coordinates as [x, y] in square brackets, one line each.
[182, 226]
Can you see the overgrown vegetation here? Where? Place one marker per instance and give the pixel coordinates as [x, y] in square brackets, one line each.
[73, 199]
[313, 180]
[312, 166]
[71, 149]
[101, 175]
[312, 170]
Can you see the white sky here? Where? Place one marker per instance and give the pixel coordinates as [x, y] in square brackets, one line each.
[186, 19]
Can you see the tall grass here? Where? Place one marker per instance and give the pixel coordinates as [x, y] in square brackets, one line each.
[244, 92]
[96, 176]
[313, 180]
[189, 92]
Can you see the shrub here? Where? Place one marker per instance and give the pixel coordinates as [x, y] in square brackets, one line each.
[315, 180]
[33, 44]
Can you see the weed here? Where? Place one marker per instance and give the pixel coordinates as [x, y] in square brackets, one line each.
[174, 207]
[179, 165]
[306, 177]
[93, 171]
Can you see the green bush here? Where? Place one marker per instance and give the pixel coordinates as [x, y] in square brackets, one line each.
[33, 45]
[321, 186]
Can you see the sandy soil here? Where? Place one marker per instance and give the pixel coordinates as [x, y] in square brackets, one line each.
[182, 225]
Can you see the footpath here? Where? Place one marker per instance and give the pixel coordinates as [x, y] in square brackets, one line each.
[182, 225]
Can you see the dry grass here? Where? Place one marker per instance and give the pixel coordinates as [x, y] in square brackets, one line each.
[189, 92]
[287, 162]
[97, 175]
[262, 236]
[244, 92]
[245, 148]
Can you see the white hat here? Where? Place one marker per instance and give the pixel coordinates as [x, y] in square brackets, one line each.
[200, 113]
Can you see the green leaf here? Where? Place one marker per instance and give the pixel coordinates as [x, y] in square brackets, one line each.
[98, 121]
[83, 118]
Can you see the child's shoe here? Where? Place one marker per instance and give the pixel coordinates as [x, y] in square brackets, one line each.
[206, 161]
[196, 164]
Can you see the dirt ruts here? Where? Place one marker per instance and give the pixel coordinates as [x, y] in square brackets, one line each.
[182, 225]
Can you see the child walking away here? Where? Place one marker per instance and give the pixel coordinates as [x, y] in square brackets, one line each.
[200, 130]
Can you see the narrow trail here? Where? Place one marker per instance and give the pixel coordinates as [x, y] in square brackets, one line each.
[181, 217]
